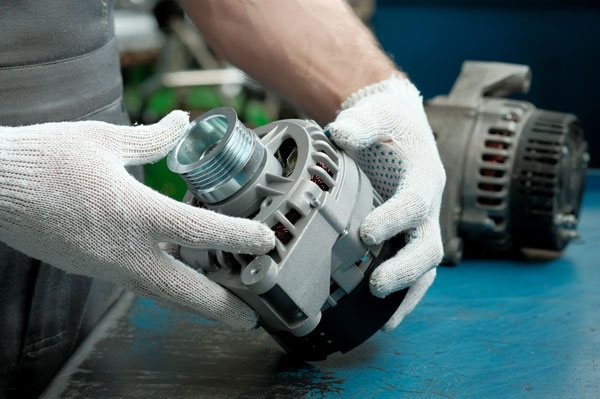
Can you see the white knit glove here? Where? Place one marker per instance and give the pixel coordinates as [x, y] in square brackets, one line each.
[383, 127]
[66, 199]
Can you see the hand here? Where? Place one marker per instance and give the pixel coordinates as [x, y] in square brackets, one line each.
[66, 199]
[383, 127]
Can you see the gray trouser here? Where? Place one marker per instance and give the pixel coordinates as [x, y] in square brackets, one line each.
[58, 62]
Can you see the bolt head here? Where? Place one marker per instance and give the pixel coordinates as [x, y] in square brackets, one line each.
[511, 117]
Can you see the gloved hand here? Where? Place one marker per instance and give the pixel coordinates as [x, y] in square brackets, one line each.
[383, 127]
[66, 199]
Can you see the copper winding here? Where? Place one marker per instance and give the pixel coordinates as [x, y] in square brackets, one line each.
[281, 232]
[317, 179]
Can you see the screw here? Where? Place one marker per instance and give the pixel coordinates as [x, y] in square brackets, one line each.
[511, 117]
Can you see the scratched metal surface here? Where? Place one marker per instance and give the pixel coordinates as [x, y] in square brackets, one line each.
[490, 329]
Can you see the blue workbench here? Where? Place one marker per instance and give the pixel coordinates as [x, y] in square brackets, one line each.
[486, 329]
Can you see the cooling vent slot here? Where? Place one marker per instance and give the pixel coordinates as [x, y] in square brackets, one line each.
[550, 124]
[489, 172]
[547, 181]
[542, 151]
[326, 159]
[500, 132]
[324, 180]
[495, 156]
[541, 155]
[284, 229]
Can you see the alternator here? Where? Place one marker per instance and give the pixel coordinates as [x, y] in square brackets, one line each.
[311, 292]
[515, 173]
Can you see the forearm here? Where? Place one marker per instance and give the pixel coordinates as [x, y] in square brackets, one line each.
[314, 52]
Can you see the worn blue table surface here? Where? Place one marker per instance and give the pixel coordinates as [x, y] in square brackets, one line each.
[486, 329]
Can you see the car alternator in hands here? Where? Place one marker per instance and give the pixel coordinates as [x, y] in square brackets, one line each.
[312, 291]
[515, 173]
[514, 183]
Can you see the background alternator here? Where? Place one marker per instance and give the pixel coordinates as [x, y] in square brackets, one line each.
[515, 173]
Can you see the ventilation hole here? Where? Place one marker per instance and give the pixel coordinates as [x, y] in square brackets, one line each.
[491, 172]
[490, 187]
[293, 216]
[325, 148]
[489, 201]
[493, 158]
[539, 184]
[287, 155]
[554, 124]
[537, 193]
[281, 232]
[496, 144]
[533, 150]
[500, 132]
[544, 160]
[547, 130]
[318, 180]
[538, 174]
[543, 142]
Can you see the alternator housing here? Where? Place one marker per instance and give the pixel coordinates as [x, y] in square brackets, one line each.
[315, 198]
[515, 173]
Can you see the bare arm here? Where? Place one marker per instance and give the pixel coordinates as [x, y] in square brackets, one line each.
[317, 53]
[314, 52]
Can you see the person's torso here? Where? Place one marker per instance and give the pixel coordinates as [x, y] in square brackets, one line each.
[58, 61]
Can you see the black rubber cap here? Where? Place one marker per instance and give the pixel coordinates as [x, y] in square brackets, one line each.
[355, 318]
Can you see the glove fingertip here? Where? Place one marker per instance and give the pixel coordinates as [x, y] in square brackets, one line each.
[177, 118]
[382, 284]
[369, 239]
[265, 240]
[376, 290]
[371, 230]
[343, 137]
[248, 322]
[392, 324]
[377, 286]
[252, 237]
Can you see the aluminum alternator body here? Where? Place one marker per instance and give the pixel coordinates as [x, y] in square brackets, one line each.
[315, 198]
[515, 173]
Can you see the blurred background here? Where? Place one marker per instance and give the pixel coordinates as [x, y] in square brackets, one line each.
[167, 65]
